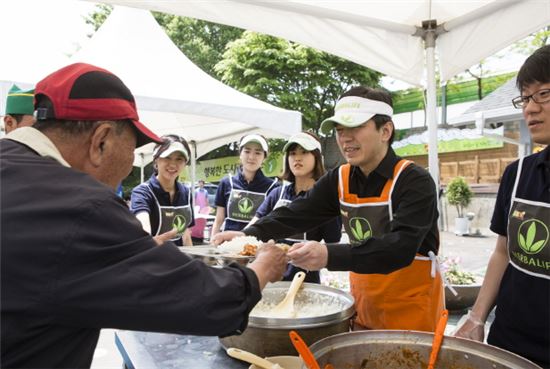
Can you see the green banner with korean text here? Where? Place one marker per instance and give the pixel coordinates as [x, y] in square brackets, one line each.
[215, 169]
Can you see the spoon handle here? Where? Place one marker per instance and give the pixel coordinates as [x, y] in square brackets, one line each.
[303, 350]
[251, 358]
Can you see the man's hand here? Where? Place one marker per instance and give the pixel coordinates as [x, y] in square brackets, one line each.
[270, 263]
[311, 255]
[221, 237]
[162, 238]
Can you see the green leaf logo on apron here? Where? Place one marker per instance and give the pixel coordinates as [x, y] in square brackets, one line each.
[179, 223]
[360, 228]
[532, 236]
[245, 205]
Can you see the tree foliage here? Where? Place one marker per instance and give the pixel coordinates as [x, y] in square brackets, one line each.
[290, 75]
[534, 41]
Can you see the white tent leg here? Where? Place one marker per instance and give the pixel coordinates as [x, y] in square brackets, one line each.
[142, 168]
[193, 166]
[431, 108]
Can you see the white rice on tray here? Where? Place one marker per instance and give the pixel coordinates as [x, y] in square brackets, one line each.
[236, 245]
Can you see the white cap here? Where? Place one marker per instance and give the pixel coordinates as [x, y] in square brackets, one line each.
[352, 111]
[256, 139]
[174, 147]
[308, 142]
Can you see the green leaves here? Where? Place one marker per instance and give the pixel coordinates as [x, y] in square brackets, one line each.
[245, 206]
[290, 75]
[528, 241]
[179, 223]
[357, 229]
[458, 193]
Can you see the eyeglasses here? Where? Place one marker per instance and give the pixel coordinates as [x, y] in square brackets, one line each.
[539, 97]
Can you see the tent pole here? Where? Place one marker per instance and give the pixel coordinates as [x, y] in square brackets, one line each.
[141, 168]
[431, 102]
[193, 165]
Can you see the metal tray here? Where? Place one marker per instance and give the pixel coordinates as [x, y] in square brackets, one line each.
[213, 256]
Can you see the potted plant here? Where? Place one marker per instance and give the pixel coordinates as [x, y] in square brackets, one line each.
[462, 287]
[460, 195]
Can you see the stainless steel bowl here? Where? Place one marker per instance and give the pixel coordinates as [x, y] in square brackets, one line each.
[269, 336]
[213, 256]
[397, 349]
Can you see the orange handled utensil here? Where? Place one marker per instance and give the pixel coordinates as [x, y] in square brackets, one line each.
[438, 338]
[303, 350]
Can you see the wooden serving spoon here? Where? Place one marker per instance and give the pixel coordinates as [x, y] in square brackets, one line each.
[285, 308]
[252, 359]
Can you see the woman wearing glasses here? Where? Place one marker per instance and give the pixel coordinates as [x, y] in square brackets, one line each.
[518, 274]
[162, 203]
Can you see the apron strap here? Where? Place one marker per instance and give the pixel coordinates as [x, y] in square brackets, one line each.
[518, 174]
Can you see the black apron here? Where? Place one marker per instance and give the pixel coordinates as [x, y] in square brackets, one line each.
[242, 205]
[170, 217]
[529, 234]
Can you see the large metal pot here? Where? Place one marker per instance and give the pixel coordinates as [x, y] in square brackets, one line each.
[269, 336]
[410, 350]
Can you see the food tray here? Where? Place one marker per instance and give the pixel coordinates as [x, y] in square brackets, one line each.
[213, 256]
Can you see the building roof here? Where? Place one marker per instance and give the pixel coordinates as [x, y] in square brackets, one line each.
[499, 98]
[495, 107]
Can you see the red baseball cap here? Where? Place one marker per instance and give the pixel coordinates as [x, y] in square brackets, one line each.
[85, 92]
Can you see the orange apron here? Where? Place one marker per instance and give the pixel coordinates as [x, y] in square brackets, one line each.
[410, 298]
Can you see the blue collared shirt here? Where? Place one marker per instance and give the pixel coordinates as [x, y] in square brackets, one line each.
[143, 200]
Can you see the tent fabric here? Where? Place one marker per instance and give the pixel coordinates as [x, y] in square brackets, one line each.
[362, 31]
[172, 94]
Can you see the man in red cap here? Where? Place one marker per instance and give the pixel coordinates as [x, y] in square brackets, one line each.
[74, 259]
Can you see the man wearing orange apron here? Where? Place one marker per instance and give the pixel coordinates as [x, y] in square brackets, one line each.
[389, 210]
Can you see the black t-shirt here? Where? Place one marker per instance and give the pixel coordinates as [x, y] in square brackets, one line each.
[413, 228]
[522, 320]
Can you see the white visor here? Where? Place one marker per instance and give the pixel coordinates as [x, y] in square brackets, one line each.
[303, 139]
[256, 139]
[174, 147]
[352, 111]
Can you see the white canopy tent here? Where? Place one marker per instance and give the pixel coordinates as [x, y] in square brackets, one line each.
[174, 95]
[397, 38]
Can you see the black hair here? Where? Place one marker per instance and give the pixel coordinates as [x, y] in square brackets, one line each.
[378, 95]
[535, 69]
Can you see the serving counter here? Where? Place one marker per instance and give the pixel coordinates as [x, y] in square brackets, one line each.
[145, 350]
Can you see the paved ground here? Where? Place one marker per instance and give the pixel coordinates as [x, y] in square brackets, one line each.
[473, 252]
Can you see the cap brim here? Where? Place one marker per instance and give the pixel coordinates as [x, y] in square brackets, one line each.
[144, 134]
[175, 147]
[328, 124]
[306, 145]
[253, 140]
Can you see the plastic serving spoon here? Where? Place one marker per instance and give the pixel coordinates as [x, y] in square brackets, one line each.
[285, 308]
[303, 350]
[252, 359]
[438, 338]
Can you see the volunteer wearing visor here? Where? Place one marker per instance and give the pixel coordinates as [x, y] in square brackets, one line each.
[239, 196]
[303, 167]
[388, 207]
[163, 203]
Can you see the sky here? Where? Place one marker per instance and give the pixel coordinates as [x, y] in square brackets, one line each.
[56, 29]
